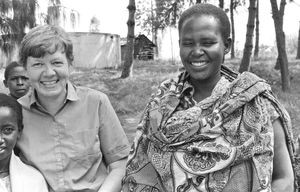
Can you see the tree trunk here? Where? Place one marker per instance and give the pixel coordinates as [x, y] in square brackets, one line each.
[249, 36]
[256, 48]
[232, 52]
[298, 49]
[154, 30]
[198, 1]
[20, 26]
[24, 16]
[280, 41]
[221, 4]
[127, 67]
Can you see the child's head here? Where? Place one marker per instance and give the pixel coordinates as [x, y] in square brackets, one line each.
[45, 39]
[16, 80]
[210, 10]
[10, 125]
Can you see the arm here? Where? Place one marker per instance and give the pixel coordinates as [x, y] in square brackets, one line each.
[112, 182]
[114, 146]
[283, 176]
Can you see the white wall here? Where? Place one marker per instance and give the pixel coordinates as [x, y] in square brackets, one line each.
[96, 50]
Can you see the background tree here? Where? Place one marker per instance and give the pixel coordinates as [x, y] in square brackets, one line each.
[249, 37]
[221, 4]
[127, 67]
[57, 14]
[13, 26]
[231, 9]
[280, 42]
[298, 48]
[24, 16]
[256, 48]
[155, 15]
[298, 45]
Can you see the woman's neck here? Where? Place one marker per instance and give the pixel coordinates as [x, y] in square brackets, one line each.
[204, 88]
[52, 104]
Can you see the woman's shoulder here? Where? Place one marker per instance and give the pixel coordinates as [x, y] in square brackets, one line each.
[171, 84]
[90, 93]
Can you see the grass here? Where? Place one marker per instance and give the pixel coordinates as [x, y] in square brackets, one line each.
[129, 96]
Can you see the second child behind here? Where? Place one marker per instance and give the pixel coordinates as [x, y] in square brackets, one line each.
[16, 80]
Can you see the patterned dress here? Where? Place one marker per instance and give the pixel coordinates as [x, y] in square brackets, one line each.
[223, 143]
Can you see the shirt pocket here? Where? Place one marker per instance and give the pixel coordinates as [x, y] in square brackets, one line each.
[85, 145]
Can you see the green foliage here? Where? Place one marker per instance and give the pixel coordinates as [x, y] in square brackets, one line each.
[156, 14]
[12, 26]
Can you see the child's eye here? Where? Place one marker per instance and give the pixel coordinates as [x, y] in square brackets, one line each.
[13, 78]
[24, 78]
[7, 130]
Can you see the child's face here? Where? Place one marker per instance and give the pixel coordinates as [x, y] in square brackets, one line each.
[9, 132]
[17, 82]
[202, 48]
[49, 74]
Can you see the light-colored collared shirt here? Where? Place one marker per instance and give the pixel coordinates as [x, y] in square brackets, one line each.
[73, 148]
[24, 178]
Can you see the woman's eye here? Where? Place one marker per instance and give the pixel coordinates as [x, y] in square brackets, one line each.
[187, 43]
[208, 43]
[58, 63]
[37, 65]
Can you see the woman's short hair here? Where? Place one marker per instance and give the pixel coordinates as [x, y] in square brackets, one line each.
[45, 39]
[11, 103]
[210, 10]
[9, 68]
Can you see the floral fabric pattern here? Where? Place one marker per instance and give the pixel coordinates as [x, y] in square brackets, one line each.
[182, 145]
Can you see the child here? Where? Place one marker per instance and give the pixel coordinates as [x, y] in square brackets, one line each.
[16, 80]
[15, 176]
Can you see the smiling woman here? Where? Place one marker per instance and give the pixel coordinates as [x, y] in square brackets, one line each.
[78, 134]
[49, 75]
[211, 129]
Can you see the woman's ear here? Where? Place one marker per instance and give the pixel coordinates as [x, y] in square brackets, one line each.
[20, 130]
[5, 83]
[227, 45]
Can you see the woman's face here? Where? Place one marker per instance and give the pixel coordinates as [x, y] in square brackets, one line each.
[17, 82]
[49, 74]
[202, 48]
[9, 132]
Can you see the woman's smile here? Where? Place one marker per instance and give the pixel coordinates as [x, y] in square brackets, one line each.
[199, 64]
[49, 83]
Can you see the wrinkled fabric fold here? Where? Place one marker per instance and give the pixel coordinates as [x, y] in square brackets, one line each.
[182, 145]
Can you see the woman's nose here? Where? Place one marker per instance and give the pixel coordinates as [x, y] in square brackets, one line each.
[49, 70]
[198, 50]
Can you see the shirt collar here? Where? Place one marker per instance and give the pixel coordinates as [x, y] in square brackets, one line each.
[29, 99]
